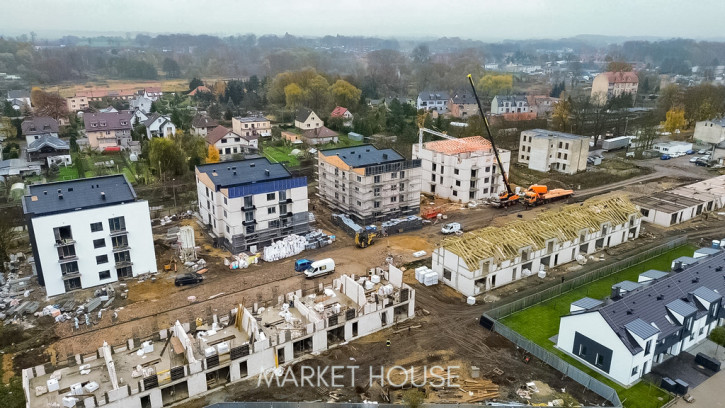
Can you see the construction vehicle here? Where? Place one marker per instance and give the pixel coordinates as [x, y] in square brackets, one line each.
[508, 197]
[365, 237]
[538, 194]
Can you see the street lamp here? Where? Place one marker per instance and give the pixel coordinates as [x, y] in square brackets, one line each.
[173, 188]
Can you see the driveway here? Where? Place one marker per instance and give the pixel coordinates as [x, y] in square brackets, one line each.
[708, 393]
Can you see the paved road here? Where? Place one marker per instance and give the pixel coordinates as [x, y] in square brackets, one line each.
[707, 394]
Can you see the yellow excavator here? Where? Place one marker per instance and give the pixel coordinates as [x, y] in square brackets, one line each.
[365, 238]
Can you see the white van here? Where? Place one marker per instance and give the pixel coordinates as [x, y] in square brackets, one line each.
[320, 268]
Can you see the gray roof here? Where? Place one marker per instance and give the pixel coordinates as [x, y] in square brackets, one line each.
[587, 303]
[654, 274]
[511, 98]
[201, 121]
[686, 260]
[39, 125]
[240, 172]
[108, 121]
[666, 202]
[433, 96]
[259, 118]
[303, 114]
[627, 285]
[707, 251]
[553, 133]
[363, 155]
[651, 303]
[463, 98]
[707, 294]
[18, 94]
[681, 308]
[81, 194]
[641, 328]
[48, 140]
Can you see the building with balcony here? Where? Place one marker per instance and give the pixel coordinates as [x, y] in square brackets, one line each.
[252, 126]
[461, 170]
[240, 343]
[229, 143]
[545, 150]
[88, 232]
[108, 129]
[368, 184]
[247, 204]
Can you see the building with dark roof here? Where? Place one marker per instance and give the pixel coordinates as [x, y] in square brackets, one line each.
[463, 105]
[88, 232]
[432, 101]
[229, 143]
[109, 129]
[629, 333]
[502, 104]
[306, 119]
[248, 204]
[201, 125]
[33, 128]
[49, 149]
[368, 184]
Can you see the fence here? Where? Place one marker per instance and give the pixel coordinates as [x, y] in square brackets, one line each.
[550, 358]
[274, 404]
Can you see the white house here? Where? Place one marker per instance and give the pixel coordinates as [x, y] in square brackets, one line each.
[247, 204]
[346, 115]
[19, 98]
[201, 125]
[307, 119]
[625, 337]
[34, 128]
[501, 104]
[152, 92]
[432, 101]
[88, 232]
[142, 103]
[159, 126]
[491, 257]
[254, 126]
[461, 170]
[545, 150]
[229, 143]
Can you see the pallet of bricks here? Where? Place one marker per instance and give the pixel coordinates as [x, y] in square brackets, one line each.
[400, 225]
[317, 239]
[346, 223]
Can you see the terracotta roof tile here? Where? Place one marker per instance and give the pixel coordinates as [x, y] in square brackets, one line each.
[462, 145]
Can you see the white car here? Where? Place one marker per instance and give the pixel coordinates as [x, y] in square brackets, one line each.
[694, 159]
[451, 228]
[702, 151]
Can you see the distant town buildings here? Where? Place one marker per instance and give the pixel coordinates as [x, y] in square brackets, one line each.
[88, 232]
[461, 170]
[546, 150]
[610, 84]
[19, 99]
[542, 105]
[344, 114]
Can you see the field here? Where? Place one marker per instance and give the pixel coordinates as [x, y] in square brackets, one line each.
[611, 170]
[70, 88]
[541, 322]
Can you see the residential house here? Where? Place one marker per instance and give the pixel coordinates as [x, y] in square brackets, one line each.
[461, 170]
[252, 126]
[462, 105]
[677, 205]
[318, 136]
[33, 128]
[368, 184]
[199, 89]
[138, 116]
[153, 93]
[229, 143]
[502, 104]
[403, 100]
[19, 98]
[344, 114]
[307, 119]
[542, 105]
[158, 125]
[49, 150]
[108, 131]
[490, 257]
[77, 103]
[248, 204]
[626, 336]
[610, 84]
[432, 101]
[545, 150]
[201, 125]
[292, 137]
[141, 103]
[18, 167]
[88, 232]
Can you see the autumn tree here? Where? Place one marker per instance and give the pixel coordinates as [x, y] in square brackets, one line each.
[493, 84]
[220, 88]
[212, 156]
[294, 96]
[7, 130]
[167, 157]
[560, 116]
[48, 104]
[317, 93]
[675, 120]
[345, 94]
[619, 66]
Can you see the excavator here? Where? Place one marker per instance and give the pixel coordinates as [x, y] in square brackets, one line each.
[508, 197]
[365, 238]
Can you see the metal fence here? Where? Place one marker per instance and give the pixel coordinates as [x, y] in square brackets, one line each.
[550, 358]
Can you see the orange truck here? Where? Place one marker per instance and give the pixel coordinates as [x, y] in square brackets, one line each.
[538, 194]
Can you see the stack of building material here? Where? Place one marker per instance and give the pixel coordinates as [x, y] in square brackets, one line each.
[426, 276]
[346, 223]
[288, 246]
[318, 239]
[399, 225]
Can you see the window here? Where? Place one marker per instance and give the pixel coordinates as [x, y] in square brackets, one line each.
[273, 210]
[376, 191]
[249, 216]
[104, 275]
[648, 348]
[458, 183]
[227, 228]
[225, 213]
[69, 268]
[124, 256]
[270, 196]
[359, 204]
[582, 350]
[393, 199]
[394, 175]
[433, 178]
[359, 179]
[402, 174]
[376, 204]
[225, 200]
[247, 201]
[433, 167]
[96, 226]
[376, 179]
[455, 171]
[443, 169]
[282, 195]
[117, 224]
[99, 243]
[120, 241]
[101, 259]
[634, 370]
[455, 193]
[250, 229]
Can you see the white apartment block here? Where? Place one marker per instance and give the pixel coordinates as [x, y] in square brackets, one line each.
[88, 232]
[545, 150]
[247, 204]
[247, 341]
[491, 257]
[501, 104]
[461, 170]
[252, 126]
[368, 184]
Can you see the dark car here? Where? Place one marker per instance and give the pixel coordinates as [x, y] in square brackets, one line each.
[703, 163]
[188, 279]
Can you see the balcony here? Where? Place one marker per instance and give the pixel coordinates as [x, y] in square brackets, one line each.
[64, 242]
[252, 222]
[249, 207]
[121, 247]
[123, 264]
[67, 258]
[71, 275]
[118, 232]
[286, 215]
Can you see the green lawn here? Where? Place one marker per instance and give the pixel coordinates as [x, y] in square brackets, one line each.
[68, 173]
[282, 154]
[540, 322]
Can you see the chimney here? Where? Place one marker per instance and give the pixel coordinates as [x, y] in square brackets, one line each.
[615, 292]
[385, 156]
[266, 172]
[251, 164]
[103, 195]
[235, 172]
[60, 196]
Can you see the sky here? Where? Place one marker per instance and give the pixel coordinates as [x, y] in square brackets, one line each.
[485, 20]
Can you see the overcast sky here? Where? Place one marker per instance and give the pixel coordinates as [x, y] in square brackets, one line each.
[476, 19]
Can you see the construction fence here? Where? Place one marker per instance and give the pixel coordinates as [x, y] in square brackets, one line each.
[491, 318]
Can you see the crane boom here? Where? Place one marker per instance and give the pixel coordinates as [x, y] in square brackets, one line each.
[490, 137]
[432, 132]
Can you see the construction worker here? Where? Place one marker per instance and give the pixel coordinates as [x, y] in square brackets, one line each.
[387, 344]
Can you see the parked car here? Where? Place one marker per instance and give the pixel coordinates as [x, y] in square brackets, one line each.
[690, 151]
[702, 162]
[320, 268]
[702, 151]
[665, 157]
[694, 159]
[188, 279]
[451, 228]
[302, 265]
